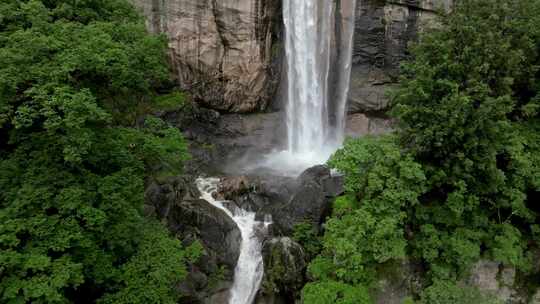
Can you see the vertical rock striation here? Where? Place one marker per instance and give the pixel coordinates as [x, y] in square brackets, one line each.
[384, 30]
[222, 51]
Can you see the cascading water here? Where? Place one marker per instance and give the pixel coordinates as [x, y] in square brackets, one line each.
[316, 105]
[308, 25]
[317, 80]
[346, 12]
[249, 269]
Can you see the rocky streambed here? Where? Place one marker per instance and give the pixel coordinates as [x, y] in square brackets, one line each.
[286, 200]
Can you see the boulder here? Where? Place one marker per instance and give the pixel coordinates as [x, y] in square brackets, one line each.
[226, 52]
[359, 124]
[284, 269]
[535, 299]
[177, 204]
[310, 201]
[232, 187]
[496, 279]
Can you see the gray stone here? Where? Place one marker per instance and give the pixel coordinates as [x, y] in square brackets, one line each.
[224, 52]
[496, 279]
[310, 201]
[284, 268]
[398, 280]
[359, 124]
[177, 204]
[535, 298]
[383, 32]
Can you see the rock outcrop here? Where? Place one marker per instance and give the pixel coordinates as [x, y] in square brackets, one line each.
[176, 202]
[497, 280]
[397, 281]
[384, 30]
[285, 265]
[226, 52]
[310, 201]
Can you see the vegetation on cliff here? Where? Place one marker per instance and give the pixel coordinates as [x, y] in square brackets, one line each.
[71, 206]
[460, 179]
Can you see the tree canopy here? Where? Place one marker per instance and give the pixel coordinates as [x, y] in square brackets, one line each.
[459, 180]
[72, 227]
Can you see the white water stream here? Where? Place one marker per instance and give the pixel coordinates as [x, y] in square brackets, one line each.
[249, 270]
[315, 116]
[319, 55]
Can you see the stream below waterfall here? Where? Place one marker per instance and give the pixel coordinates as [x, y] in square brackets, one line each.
[318, 80]
[249, 269]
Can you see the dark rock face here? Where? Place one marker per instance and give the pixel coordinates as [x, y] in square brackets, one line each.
[310, 201]
[383, 32]
[285, 265]
[226, 142]
[177, 204]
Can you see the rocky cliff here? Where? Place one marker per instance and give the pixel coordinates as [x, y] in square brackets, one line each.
[383, 31]
[227, 53]
[223, 51]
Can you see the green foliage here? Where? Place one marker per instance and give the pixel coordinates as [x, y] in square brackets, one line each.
[465, 107]
[305, 235]
[149, 276]
[460, 178]
[450, 293]
[358, 236]
[335, 293]
[71, 222]
[172, 101]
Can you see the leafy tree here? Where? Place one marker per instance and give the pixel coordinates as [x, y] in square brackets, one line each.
[465, 106]
[450, 293]
[335, 292]
[388, 183]
[460, 178]
[71, 206]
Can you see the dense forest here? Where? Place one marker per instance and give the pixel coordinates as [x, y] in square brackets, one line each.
[72, 166]
[458, 181]
[460, 178]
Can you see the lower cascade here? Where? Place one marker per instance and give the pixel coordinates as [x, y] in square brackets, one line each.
[249, 269]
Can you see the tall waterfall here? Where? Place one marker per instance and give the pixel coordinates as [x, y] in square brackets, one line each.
[308, 26]
[319, 52]
[249, 269]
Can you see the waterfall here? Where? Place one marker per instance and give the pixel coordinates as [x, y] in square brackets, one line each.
[249, 269]
[318, 45]
[346, 13]
[308, 25]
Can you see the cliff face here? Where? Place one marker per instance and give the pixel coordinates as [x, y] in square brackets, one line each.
[221, 50]
[383, 31]
[227, 52]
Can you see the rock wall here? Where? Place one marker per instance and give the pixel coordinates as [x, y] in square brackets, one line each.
[223, 51]
[384, 30]
[228, 53]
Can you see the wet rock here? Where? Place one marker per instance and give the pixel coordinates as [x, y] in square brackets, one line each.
[191, 287]
[285, 265]
[226, 142]
[219, 295]
[535, 299]
[177, 204]
[224, 52]
[310, 202]
[232, 187]
[270, 299]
